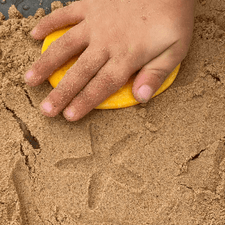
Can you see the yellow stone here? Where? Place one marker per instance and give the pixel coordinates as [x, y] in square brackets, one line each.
[122, 98]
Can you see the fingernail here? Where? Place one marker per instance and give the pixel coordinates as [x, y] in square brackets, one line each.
[47, 106]
[33, 32]
[145, 92]
[69, 113]
[28, 75]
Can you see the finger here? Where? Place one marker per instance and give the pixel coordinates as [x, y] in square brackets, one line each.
[87, 65]
[108, 80]
[72, 43]
[68, 15]
[153, 74]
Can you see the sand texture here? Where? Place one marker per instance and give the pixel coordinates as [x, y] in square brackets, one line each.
[160, 163]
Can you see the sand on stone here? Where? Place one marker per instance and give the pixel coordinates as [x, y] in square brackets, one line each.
[155, 163]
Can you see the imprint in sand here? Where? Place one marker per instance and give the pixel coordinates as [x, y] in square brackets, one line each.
[109, 165]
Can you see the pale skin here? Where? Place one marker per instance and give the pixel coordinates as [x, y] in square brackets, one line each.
[117, 38]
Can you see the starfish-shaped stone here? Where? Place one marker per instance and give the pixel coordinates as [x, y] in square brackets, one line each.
[104, 165]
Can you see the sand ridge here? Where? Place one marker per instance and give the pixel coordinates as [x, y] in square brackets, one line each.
[155, 163]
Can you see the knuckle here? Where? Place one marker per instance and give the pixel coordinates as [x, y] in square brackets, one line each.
[159, 74]
[117, 82]
[64, 42]
[80, 6]
[113, 83]
[40, 67]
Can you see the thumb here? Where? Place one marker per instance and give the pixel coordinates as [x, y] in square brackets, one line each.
[152, 75]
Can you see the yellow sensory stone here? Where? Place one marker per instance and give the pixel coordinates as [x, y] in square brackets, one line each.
[122, 98]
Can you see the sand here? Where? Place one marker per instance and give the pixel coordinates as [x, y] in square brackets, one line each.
[160, 163]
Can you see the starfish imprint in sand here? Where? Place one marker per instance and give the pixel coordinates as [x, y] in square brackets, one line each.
[105, 164]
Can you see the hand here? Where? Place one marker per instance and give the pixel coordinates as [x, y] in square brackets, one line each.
[117, 38]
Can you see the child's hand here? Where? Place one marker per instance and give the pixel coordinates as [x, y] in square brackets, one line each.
[119, 38]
